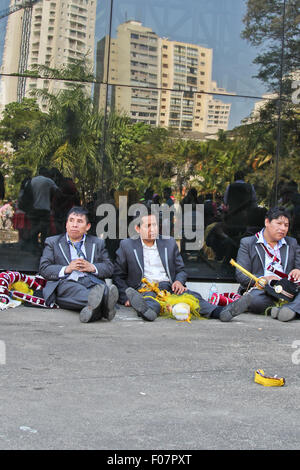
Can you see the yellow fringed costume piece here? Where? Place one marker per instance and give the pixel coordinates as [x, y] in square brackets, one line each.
[20, 286]
[262, 379]
[167, 301]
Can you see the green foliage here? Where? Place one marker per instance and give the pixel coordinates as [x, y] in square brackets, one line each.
[101, 153]
[266, 30]
[18, 121]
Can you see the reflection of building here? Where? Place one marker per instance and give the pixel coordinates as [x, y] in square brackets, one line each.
[187, 71]
[134, 60]
[258, 107]
[218, 112]
[54, 34]
[261, 104]
[140, 61]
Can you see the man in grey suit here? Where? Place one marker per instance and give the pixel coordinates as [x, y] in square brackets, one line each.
[270, 254]
[75, 265]
[159, 260]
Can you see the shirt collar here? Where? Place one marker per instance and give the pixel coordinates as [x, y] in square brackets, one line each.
[70, 242]
[261, 239]
[153, 247]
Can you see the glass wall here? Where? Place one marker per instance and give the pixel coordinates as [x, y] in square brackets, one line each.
[191, 106]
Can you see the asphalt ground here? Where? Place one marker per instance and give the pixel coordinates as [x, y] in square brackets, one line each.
[131, 384]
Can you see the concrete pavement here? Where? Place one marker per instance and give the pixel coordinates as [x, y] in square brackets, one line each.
[129, 384]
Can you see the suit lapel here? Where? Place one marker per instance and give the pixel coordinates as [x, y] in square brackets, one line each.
[88, 248]
[65, 248]
[261, 255]
[284, 256]
[138, 253]
[161, 251]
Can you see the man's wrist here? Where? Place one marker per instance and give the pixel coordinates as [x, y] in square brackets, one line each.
[63, 271]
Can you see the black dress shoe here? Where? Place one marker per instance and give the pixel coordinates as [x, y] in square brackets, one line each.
[109, 303]
[139, 304]
[92, 311]
[235, 308]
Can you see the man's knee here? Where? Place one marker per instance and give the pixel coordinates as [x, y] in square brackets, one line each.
[259, 301]
[72, 296]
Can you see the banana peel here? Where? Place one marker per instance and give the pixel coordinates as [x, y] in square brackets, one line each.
[268, 381]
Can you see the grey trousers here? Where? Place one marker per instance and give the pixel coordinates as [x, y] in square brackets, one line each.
[73, 295]
[260, 301]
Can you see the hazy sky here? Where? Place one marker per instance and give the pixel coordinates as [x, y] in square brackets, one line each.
[216, 24]
[212, 23]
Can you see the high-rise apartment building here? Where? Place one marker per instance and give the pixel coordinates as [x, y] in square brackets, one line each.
[158, 81]
[218, 112]
[134, 69]
[53, 33]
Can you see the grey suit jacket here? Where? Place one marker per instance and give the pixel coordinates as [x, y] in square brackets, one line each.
[56, 255]
[129, 264]
[251, 256]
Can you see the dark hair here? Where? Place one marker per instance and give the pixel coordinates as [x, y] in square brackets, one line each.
[276, 212]
[43, 171]
[78, 210]
[239, 175]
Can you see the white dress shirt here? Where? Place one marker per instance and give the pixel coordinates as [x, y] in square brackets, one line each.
[153, 267]
[274, 251]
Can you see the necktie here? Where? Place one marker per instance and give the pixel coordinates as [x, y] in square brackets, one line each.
[75, 275]
[77, 246]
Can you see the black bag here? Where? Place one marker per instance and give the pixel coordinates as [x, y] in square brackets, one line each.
[25, 201]
[284, 289]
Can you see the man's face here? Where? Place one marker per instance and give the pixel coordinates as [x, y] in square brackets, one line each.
[276, 229]
[148, 228]
[76, 226]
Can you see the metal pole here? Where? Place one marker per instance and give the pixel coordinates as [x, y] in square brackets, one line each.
[279, 105]
[104, 133]
[24, 52]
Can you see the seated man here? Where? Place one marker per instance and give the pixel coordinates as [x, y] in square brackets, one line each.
[269, 251]
[159, 260]
[75, 265]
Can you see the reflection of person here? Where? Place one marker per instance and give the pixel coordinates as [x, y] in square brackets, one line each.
[75, 265]
[159, 260]
[291, 201]
[239, 187]
[239, 198]
[20, 219]
[222, 245]
[168, 199]
[168, 218]
[268, 251]
[63, 200]
[43, 188]
[189, 219]
[148, 197]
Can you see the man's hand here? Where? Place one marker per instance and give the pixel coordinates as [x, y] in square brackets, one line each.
[80, 265]
[178, 288]
[127, 303]
[295, 274]
[265, 280]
